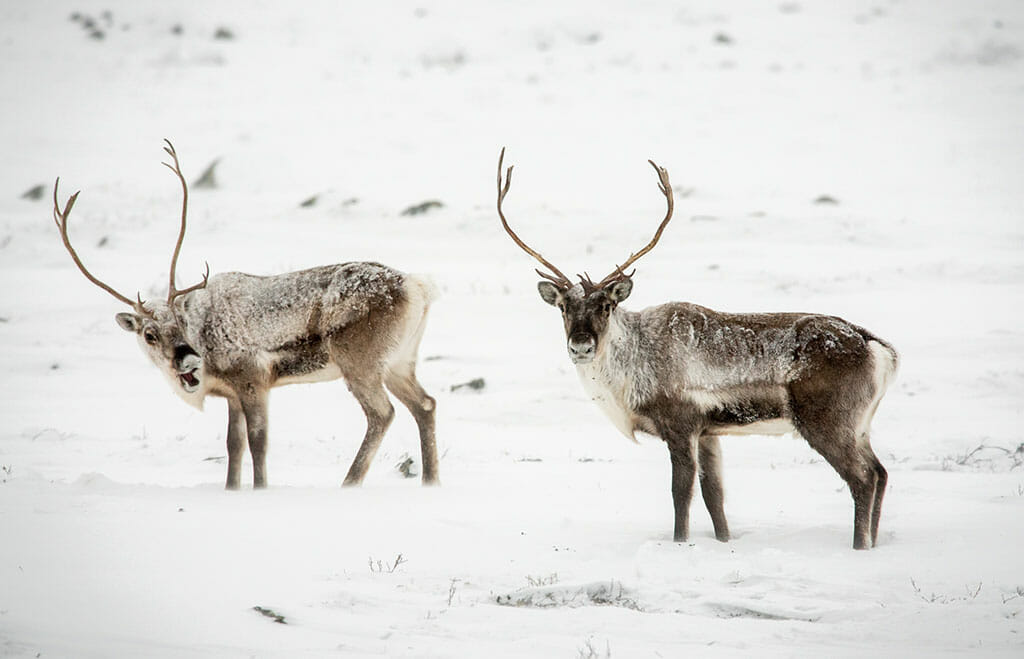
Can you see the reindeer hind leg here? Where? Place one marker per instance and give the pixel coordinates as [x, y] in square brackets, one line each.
[406, 388]
[401, 381]
[369, 392]
[710, 464]
[881, 480]
[838, 444]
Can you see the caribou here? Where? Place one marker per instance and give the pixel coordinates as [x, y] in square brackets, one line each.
[689, 374]
[237, 335]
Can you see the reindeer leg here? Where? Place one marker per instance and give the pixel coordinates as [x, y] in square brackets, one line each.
[839, 446]
[254, 405]
[379, 413]
[881, 479]
[829, 424]
[407, 389]
[682, 451]
[236, 443]
[710, 464]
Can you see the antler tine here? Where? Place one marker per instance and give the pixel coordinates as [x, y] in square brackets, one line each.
[60, 217]
[558, 278]
[172, 291]
[587, 283]
[195, 287]
[620, 270]
[589, 286]
[553, 278]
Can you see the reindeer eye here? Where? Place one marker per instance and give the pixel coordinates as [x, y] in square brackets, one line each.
[606, 307]
[150, 337]
[561, 307]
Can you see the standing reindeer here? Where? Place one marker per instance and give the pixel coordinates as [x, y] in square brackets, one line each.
[236, 336]
[688, 374]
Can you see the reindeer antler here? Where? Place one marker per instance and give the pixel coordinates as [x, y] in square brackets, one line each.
[619, 273]
[172, 291]
[60, 218]
[558, 278]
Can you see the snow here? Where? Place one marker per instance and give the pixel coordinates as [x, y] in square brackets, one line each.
[551, 535]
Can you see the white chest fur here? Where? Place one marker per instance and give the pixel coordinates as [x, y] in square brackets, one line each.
[608, 390]
[617, 380]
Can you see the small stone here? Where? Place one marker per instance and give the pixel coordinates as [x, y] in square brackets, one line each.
[35, 193]
[419, 209]
[476, 384]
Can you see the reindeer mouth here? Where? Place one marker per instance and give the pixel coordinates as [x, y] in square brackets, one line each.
[188, 372]
[189, 381]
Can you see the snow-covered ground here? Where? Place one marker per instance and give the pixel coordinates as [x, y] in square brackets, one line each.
[551, 535]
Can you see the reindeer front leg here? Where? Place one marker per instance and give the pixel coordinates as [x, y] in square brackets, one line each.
[236, 443]
[684, 470]
[254, 406]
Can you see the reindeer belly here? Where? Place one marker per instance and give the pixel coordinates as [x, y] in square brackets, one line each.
[750, 412]
[307, 360]
[770, 427]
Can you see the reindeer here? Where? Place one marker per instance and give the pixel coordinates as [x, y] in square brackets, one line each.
[688, 374]
[236, 335]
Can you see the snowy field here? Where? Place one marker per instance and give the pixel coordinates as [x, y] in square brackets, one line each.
[551, 534]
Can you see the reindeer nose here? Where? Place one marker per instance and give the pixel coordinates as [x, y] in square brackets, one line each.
[186, 362]
[581, 348]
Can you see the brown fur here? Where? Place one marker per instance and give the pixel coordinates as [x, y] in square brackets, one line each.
[245, 335]
[688, 374]
[237, 336]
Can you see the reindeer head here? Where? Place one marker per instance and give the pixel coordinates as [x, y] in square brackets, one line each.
[585, 315]
[157, 325]
[586, 307]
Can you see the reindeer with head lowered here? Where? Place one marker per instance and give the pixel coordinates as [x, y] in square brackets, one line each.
[688, 374]
[236, 336]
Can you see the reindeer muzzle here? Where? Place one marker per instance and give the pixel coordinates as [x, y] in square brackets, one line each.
[188, 372]
[582, 349]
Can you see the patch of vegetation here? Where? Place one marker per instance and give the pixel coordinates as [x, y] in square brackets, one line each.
[939, 598]
[407, 466]
[380, 567]
[423, 207]
[92, 26]
[270, 613]
[588, 651]
[549, 580]
[982, 456]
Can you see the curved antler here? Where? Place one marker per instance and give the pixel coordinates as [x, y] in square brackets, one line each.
[558, 278]
[620, 270]
[60, 218]
[172, 291]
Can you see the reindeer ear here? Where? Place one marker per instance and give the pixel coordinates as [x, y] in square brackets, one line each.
[620, 290]
[129, 322]
[549, 292]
